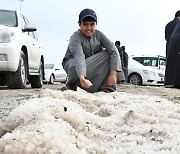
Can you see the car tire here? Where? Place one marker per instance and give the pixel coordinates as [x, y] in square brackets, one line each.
[37, 80]
[135, 79]
[18, 79]
[52, 79]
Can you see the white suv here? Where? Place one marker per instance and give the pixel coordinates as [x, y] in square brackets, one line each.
[21, 57]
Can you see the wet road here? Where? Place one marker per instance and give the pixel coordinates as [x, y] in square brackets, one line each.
[10, 98]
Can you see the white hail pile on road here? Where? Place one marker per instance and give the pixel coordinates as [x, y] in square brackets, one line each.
[80, 122]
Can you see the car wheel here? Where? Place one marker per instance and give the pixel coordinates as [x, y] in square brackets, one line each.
[37, 80]
[135, 79]
[18, 79]
[52, 79]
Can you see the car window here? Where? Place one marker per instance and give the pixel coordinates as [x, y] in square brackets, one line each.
[49, 66]
[132, 63]
[139, 59]
[150, 61]
[8, 18]
[162, 62]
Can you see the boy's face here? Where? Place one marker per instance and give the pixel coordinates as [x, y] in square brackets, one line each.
[88, 27]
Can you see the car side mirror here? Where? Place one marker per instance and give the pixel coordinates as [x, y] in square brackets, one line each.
[29, 27]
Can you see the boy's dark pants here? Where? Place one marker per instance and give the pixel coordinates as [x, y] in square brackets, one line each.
[97, 71]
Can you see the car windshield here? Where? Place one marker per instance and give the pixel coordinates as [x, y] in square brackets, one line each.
[48, 66]
[8, 18]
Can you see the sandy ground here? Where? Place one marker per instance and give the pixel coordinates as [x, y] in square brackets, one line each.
[168, 93]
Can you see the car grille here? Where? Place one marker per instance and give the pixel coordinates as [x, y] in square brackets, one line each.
[160, 82]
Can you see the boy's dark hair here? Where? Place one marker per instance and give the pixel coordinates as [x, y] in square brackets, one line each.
[177, 14]
[123, 48]
[118, 43]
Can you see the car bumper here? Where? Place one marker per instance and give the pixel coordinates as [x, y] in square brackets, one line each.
[9, 57]
[153, 80]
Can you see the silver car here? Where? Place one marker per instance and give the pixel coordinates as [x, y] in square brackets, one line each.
[54, 73]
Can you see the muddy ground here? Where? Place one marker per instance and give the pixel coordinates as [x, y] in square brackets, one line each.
[10, 98]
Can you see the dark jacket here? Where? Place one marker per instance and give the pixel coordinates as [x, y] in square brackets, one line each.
[125, 60]
[123, 56]
[172, 74]
[168, 32]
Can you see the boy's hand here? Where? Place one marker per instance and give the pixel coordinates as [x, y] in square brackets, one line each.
[112, 78]
[84, 82]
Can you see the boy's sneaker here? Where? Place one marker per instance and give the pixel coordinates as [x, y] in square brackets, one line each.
[71, 86]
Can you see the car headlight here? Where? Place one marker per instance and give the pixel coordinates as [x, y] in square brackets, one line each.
[149, 72]
[161, 75]
[6, 36]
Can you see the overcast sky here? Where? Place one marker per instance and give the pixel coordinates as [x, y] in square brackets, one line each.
[138, 24]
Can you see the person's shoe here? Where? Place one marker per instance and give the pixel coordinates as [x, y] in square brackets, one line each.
[62, 88]
[120, 81]
[71, 86]
[108, 89]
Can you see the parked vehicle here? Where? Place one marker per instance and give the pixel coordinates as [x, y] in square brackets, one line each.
[146, 69]
[21, 55]
[54, 73]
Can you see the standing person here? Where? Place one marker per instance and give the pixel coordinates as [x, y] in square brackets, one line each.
[122, 77]
[125, 63]
[91, 60]
[169, 29]
[172, 73]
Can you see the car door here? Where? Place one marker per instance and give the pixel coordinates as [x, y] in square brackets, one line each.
[60, 74]
[57, 73]
[34, 48]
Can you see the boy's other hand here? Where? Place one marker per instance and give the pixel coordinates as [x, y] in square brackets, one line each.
[84, 82]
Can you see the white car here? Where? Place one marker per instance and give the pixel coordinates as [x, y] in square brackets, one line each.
[21, 55]
[146, 70]
[54, 73]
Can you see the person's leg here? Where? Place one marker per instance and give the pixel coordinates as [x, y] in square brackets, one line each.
[97, 70]
[72, 76]
[98, 67]
[126, 75]
[120, 77]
